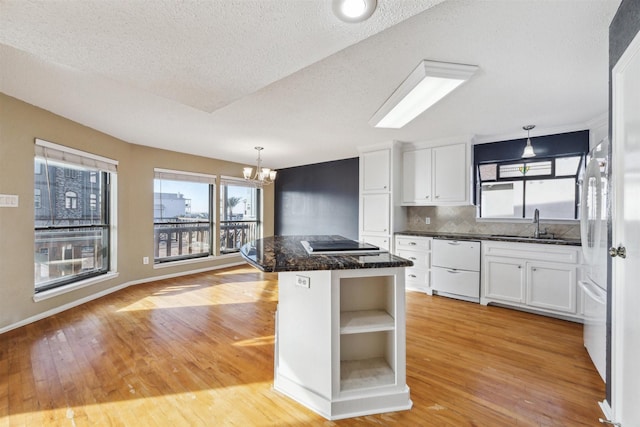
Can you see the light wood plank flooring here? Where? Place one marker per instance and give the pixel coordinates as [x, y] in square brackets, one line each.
[198, 351]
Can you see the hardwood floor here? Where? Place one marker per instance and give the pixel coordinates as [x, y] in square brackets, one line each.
[198, 351]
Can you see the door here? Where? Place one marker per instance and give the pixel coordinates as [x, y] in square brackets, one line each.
[551, 286]
[416, 176]
[504, 278]
[626, 234]
[375, 213]
[450, 173]
[376, 170]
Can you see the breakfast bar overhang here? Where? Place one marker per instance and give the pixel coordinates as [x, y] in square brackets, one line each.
[340, 326]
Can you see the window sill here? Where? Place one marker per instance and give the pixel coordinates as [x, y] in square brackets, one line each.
[51, 293]
[195, 260]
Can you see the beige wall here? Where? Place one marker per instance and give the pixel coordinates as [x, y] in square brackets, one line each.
[20, 124]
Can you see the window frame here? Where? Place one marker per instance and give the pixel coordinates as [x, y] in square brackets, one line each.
[524, 178]
[189, 177]
[240, 182]
[55, 155]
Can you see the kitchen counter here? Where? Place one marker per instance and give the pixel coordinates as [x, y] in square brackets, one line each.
[494, 237]
[286, 253]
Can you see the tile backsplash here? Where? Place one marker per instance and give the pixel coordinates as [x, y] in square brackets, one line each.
[462, 219]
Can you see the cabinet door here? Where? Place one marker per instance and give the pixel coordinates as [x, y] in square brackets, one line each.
[416, 176]
[375, 213]
[504, 279]
[380, 241]
[450, 173]
[376, 170]
[551, 286]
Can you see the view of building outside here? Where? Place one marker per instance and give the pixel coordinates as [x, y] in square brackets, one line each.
[71, 223]
[239, 215]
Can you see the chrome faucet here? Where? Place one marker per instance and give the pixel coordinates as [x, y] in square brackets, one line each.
[536, 221]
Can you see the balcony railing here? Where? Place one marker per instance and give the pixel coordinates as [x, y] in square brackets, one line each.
[234, 234]
[174, 240]
[180, 240]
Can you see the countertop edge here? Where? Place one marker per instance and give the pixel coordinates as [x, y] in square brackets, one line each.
[495, 238]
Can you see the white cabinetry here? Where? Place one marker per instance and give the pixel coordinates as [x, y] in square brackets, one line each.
[436, 175]
[380, 211]
[418, 250]
[340, 346]
[536, 277]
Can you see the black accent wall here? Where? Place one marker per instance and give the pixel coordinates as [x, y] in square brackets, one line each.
[318, 199]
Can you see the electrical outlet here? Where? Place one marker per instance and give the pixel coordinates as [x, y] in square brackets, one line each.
[303, 281]
[145, 260]
[427, 220]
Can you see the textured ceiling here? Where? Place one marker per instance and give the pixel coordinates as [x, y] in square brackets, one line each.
[216, 78]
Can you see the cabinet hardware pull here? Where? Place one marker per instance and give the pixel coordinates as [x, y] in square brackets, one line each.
[412, 243]
[453, 271]
[453, 242]
[412, 258]
[437, 196]
[519, 266]
[534, 269]
[413, 276]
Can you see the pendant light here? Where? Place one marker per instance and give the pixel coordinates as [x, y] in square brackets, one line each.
[528, 149]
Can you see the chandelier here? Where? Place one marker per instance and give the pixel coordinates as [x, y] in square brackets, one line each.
[262, 176]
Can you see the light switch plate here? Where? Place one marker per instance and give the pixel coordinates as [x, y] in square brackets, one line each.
[9, 200]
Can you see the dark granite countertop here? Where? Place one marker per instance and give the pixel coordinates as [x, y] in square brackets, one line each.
[494, 237]
[285, 253]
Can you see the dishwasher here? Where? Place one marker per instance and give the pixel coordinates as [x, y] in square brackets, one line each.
[455, 269]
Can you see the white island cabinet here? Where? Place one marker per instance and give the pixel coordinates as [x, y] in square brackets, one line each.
[340, 340]
[536, 277]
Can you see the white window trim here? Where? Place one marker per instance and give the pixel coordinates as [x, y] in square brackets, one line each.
[176, 175]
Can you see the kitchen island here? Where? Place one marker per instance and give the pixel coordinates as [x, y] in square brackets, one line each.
[340, 326]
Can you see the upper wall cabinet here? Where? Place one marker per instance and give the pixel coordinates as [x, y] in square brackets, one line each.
[376, 171]
[436, 176]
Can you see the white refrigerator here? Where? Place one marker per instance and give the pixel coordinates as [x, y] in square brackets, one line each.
[593, 228]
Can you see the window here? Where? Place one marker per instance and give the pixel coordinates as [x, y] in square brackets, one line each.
[72, 240]
[515, 189]
[183, 220]
[70, 199]
[240, 210]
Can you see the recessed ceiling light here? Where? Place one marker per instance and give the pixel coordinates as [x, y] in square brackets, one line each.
[354, 10]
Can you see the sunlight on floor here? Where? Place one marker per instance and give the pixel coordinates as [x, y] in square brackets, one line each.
[209, 407]
[200, 296]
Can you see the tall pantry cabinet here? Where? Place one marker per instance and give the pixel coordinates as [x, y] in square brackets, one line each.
[379, 206]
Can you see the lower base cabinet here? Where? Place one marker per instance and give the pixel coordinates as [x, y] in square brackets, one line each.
[531, 276]
[418, 250]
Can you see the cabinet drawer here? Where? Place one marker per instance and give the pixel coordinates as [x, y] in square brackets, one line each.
[456, 281]
[417, 275]
[413, 243]
[458, 254]
[420, 259]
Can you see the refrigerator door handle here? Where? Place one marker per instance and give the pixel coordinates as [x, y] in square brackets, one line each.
[596, 295]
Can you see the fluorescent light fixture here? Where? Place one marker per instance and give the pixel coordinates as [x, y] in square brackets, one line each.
[427, 84]
[354, 10]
